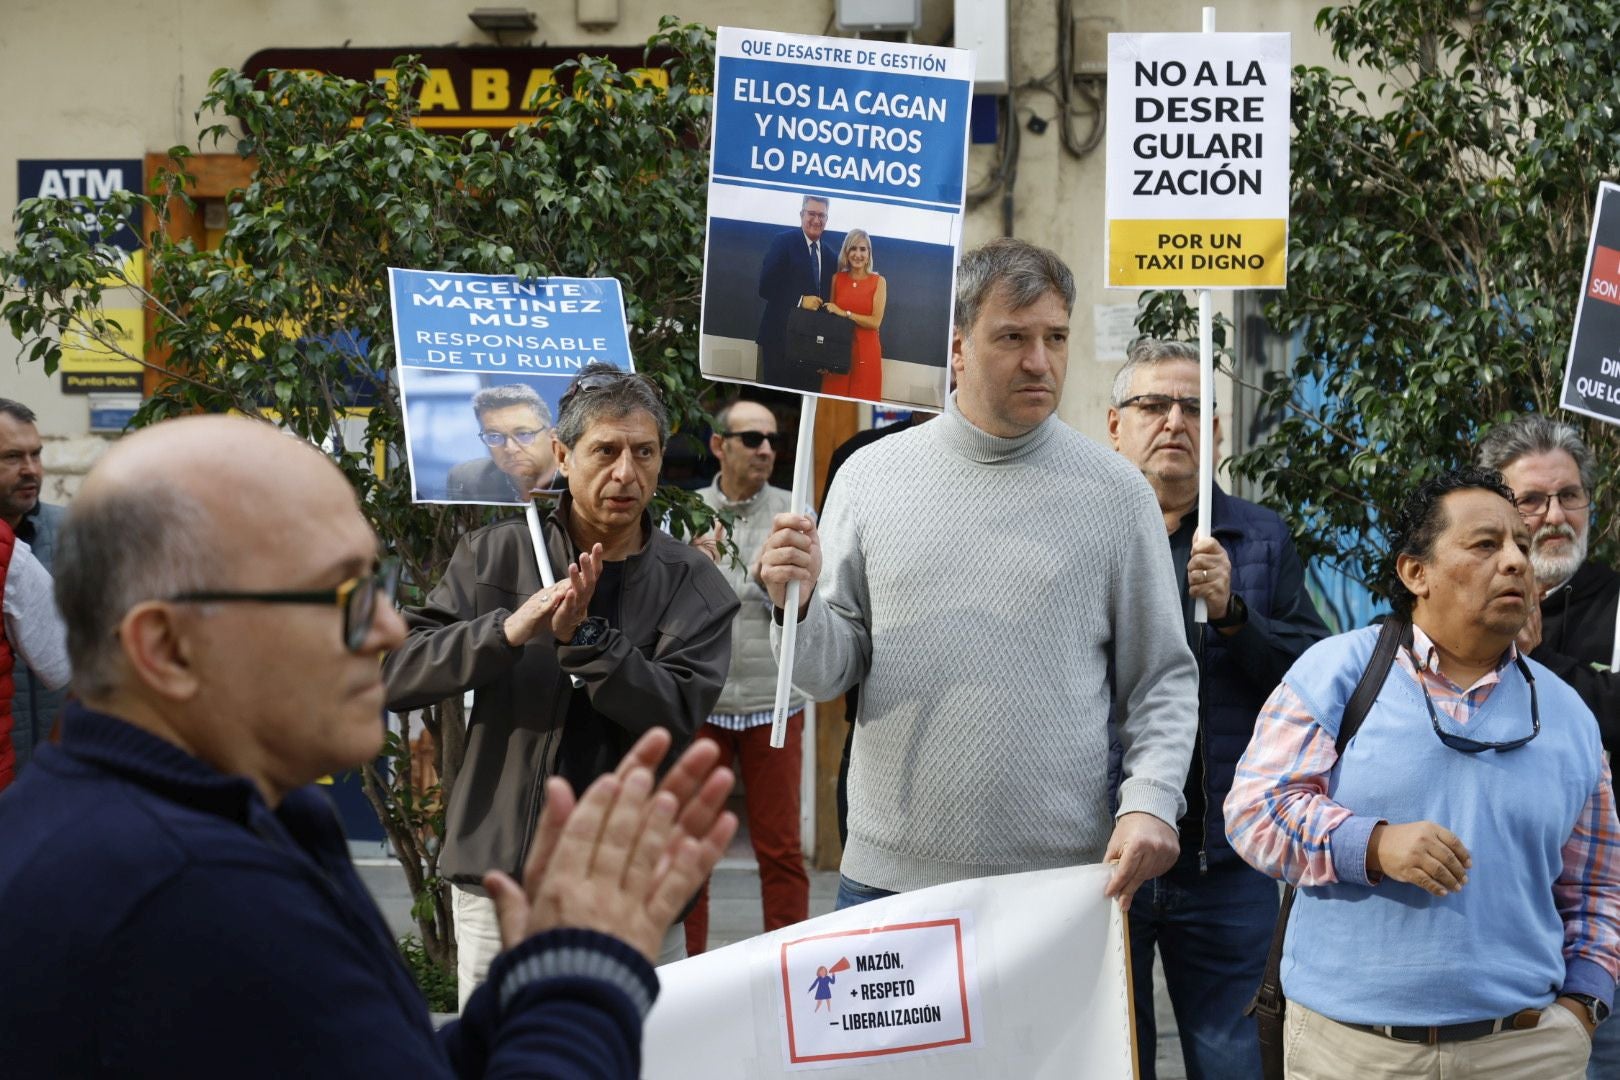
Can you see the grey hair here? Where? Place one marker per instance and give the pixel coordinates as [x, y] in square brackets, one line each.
[617, 398]
[1025, 271]
[17, 411]
[808, 199]
[118, 550]
[1145, 352]
[507, 395]
[843, 251]
[1534, 433]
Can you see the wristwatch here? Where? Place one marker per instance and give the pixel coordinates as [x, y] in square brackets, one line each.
[589, 631]
[1237, 613]
[1596, 1011]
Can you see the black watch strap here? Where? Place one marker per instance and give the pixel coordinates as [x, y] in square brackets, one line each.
[1596, 1011]
[1237, 613]
[589, 631]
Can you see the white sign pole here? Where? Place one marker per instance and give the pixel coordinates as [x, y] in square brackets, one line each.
[1206, 398]
[790, 613]
[543, 561]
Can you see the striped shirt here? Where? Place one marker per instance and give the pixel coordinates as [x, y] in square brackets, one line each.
[1280, 819]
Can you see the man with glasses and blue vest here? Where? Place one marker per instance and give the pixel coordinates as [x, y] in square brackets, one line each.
[179, 898]
[1209, 917]
[1458, 905]
[515, 425]
[634, 635]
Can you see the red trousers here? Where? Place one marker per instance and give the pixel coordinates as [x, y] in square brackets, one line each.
[771, 793]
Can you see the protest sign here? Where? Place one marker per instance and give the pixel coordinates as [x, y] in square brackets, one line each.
[483, 361]
[1022, 975]
[835, 205]
[1198, 130]
[1592, 375]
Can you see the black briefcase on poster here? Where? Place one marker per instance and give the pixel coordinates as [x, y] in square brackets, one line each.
[819, 341]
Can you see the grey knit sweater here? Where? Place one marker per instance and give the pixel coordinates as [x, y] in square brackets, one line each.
[995, 596]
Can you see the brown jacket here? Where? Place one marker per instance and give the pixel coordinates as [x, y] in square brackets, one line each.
[664, 667]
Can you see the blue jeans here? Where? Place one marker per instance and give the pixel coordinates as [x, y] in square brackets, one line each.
[851, 893]
[1213, 931]
[1604, 1063]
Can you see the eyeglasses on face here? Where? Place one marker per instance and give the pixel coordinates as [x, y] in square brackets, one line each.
[815, 215]
[498, 438]
[1535, 503]
[1158, 406]
[753, 439]
[356, 598]
[1475, 746]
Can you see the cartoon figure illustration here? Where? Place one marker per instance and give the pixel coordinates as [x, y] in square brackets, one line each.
[823, 983]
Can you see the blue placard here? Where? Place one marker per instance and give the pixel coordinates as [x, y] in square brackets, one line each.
[867, 133]
[472, 346]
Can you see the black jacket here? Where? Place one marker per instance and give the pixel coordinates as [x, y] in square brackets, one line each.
[665, 668]
[1577, 642]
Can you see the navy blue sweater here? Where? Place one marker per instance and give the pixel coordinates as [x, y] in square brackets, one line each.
[157, 919]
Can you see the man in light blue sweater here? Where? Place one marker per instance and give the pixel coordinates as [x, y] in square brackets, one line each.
[996, 581]
[1458, 911]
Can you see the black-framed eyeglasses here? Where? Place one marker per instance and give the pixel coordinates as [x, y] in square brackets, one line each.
[1535, 503]
[522, 438]
[1475, 746]
[1158, 406]
[753, 439]
[356, 598]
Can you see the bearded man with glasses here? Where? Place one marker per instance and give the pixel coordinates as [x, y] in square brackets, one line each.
[634, 635]
[1458, 904]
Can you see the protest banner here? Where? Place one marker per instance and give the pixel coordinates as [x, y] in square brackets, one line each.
[836, 179]
[822, 144]
[1022, 975]
[1198, 193]
[1592, 374]
[1198, 131]
[483, 361]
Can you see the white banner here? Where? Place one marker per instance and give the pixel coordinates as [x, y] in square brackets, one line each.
[1017, 976]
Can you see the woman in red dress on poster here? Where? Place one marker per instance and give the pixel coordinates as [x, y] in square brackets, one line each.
[859, 295]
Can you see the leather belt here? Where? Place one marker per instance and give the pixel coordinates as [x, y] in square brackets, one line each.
[1523, 1020]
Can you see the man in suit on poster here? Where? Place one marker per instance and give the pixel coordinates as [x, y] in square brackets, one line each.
[797, 272]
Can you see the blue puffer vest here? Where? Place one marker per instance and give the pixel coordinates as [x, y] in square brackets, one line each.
[1228, 699]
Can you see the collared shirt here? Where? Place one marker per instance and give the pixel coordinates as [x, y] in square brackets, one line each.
[1290, 829]
[32, 623]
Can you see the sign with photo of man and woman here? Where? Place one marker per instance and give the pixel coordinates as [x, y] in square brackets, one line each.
[835, 214]
[483, 361]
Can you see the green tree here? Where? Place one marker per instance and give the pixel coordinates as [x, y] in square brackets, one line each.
[289, 318]
[1442, 203]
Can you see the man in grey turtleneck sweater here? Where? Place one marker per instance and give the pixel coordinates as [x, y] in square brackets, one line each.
[996, 580]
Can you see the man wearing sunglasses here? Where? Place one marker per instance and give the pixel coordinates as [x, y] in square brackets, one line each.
[744, 442]
[515, 427]
[634, 635]
[1210, 916]
[177, 891]
[1458, 911]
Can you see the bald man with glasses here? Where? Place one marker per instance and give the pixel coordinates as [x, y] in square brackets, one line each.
[179, 898]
